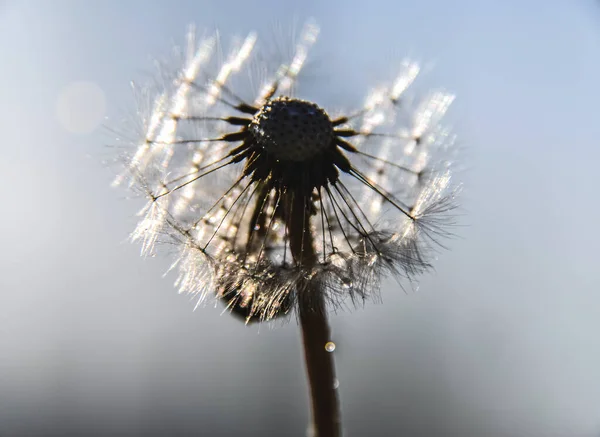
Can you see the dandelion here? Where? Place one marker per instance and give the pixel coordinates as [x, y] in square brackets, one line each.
[277, 206]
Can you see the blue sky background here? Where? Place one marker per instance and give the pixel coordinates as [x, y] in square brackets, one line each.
[502, 340]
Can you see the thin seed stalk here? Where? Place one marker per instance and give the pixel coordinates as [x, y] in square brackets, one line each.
[320, 367]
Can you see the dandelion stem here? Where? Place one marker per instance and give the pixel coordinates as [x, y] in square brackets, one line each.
[316, 333]
[320, 368]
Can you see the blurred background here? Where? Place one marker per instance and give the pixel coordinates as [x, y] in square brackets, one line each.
[501, 340]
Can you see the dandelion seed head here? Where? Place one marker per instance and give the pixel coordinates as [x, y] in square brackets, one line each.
[265, 193]
[292, 129]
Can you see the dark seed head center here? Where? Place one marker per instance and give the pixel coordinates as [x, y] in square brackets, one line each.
[292, 129]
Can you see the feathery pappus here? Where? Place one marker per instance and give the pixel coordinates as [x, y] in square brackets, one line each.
[263, 192]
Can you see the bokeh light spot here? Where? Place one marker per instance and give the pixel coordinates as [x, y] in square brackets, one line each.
[80, 107]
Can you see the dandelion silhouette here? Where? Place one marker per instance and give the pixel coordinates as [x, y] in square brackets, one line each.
[276, 206]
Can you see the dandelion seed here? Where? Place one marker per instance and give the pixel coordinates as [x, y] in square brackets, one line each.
[267, 193]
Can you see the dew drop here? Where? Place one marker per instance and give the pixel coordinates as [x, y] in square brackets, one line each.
[372, 260]
[330, 346]
[336, 384]
[347, 283]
